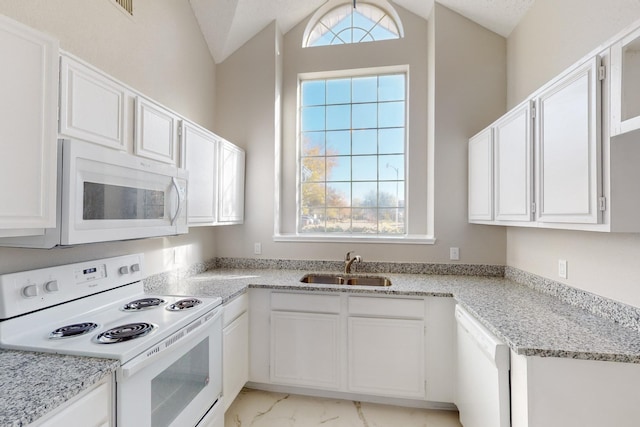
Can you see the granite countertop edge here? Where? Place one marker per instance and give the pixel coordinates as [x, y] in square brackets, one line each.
[45, 382]
[519, 315]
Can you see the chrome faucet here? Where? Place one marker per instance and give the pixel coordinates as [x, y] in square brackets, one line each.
[348, 261]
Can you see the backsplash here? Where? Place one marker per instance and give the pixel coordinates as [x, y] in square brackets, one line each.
[625, 315]
[364, 267]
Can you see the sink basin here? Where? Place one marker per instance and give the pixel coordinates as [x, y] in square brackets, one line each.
[324, 279]
[369, 281]
[332, 279]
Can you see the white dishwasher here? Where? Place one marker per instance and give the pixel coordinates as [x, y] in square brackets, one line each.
[482, 385]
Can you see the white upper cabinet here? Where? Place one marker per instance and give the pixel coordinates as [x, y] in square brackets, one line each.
[625, 84]
[481, 176]
[568, 148]
[231, 183]
[200, 158]
[548, 162]
[28, 119]
[156, 134]
[513, 142]
[93, 107]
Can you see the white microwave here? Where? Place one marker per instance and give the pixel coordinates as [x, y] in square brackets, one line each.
[106, 195]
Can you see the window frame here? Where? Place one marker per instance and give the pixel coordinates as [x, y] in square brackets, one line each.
[367, 37]
[354, 73]
[332, 4]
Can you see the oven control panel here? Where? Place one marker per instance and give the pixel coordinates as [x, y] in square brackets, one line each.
[91, 273]
[27, 291]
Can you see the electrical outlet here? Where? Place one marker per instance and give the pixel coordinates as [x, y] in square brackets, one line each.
[562, 268]
[257, 248]
[454, 254]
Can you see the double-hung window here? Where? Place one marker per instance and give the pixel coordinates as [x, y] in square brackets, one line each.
[352, 154]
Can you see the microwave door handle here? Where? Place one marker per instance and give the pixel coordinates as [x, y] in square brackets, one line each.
[174, 181]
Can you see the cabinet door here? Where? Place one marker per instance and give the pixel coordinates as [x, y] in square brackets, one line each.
[235, 358]
[386, 357]
[481, 176]
[89, 409]
[513, 165]
[231, 184]
[156, 132]
[93, 107]
[200, 153]
[28, 119]
[305, 349]
[568, 148]
[625, 84]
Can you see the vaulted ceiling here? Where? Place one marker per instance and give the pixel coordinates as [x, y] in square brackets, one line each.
[228, 24]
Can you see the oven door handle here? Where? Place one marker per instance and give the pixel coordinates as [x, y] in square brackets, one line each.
[168, 345]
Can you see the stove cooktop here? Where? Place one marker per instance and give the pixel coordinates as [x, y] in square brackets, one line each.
[117, 323]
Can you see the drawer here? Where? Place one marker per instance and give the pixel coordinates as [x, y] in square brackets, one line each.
[308, 303]
[234, 308]
[404, 308]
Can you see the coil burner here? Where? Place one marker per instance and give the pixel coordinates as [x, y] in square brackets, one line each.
[74, 330]
[184, 304]
[126, 332]
[143, 304]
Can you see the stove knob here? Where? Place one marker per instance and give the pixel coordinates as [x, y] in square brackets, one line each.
[135, 268]
[30, 291]
[124, 270]
[51, 286]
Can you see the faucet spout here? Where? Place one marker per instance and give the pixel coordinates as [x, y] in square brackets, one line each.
[348, 262]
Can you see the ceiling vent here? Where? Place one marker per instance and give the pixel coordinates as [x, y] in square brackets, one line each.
[127, 5]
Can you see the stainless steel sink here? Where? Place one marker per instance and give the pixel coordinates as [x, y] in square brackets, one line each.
[369, 281]
[324, 279]
[332, 279]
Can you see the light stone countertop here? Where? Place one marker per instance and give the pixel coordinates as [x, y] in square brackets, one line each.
[530, 322]
[33, 384]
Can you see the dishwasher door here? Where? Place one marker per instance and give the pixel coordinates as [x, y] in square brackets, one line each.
[482, 385]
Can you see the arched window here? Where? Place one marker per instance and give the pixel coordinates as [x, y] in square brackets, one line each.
[345, 24]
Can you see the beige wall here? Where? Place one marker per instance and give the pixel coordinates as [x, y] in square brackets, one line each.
[553, 35]
[466, 101]
[469, 94]
[246, 102]
[161, 53]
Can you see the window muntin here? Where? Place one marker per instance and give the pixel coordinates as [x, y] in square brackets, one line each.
[352, 155]
[345, 24]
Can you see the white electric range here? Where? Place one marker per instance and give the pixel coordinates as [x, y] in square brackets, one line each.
[169, 347]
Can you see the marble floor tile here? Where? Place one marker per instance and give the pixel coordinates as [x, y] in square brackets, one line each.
[256, 408]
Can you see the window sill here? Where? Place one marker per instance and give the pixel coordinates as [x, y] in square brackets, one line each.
[412, 239]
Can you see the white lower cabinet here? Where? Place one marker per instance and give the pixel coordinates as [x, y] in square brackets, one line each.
[376, 346]
[395, 368]
[305, 343]
[564, 392]
[92, 408]
[235, 348]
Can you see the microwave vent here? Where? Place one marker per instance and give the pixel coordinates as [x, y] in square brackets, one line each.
[127, 5]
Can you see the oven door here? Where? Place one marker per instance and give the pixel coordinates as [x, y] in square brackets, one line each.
[109, 195]
[178, 384]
